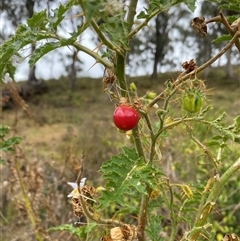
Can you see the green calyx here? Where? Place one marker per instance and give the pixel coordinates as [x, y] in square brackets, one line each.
[192, 100]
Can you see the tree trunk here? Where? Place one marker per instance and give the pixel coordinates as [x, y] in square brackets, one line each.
[161, 39]
[30, 12]
[73, 72]
[229, 69]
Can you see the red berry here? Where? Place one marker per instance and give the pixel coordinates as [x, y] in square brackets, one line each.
[125, 117]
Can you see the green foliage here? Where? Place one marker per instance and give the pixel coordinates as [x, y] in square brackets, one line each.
[9, 143]
[40, 27]
[126, 174]
[152, 230]
[220, 39]
[80, 232]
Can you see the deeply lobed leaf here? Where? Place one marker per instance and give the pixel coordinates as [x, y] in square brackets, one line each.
[126, 174]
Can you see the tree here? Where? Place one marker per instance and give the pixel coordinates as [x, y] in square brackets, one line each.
[153, 45]
[160, 40]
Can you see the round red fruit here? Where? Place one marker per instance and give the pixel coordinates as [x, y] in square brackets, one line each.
[125, 117]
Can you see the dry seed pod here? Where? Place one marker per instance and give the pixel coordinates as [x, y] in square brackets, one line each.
[199, 26]
[117, 234]
[125, 233]
[231, 237]
[77, 209]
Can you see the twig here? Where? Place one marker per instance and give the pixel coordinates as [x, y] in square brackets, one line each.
[202, 146]
[3, 217]
[142, 217]
[221, 18]
[104, 40]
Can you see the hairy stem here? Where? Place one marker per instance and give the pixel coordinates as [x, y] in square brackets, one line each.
[229, 29]
[219, 184]
[144, 23]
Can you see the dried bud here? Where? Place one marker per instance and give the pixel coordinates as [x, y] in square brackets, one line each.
[199, 26]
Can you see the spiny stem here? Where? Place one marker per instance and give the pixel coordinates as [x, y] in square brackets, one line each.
[131, 14]
[104, 40]
[97, 57]
[144, 23]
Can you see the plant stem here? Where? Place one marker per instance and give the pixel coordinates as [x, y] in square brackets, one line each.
[204, 148]
[219, 184]
[98, 58]
[131, 14]
[212, 198]
[144, 23]
[120, 74]
[142, 217]
[28, 205]
[229, 29]
[88, 214]
[104, 40]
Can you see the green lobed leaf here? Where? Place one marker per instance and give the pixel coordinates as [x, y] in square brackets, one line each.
[125, 174]
[225, 132]
[58, 15]
[90, 8]
[38, 20]
[220, 39]
[47, 47]
[142, 14]
[231, 6]
[79, 232]
[41, 51]
[191, 4]
[154, 228]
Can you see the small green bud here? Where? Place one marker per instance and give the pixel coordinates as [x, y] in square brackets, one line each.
[133, 87]
[151, 95]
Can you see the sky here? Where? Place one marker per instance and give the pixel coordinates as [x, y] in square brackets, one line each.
[51, 66]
